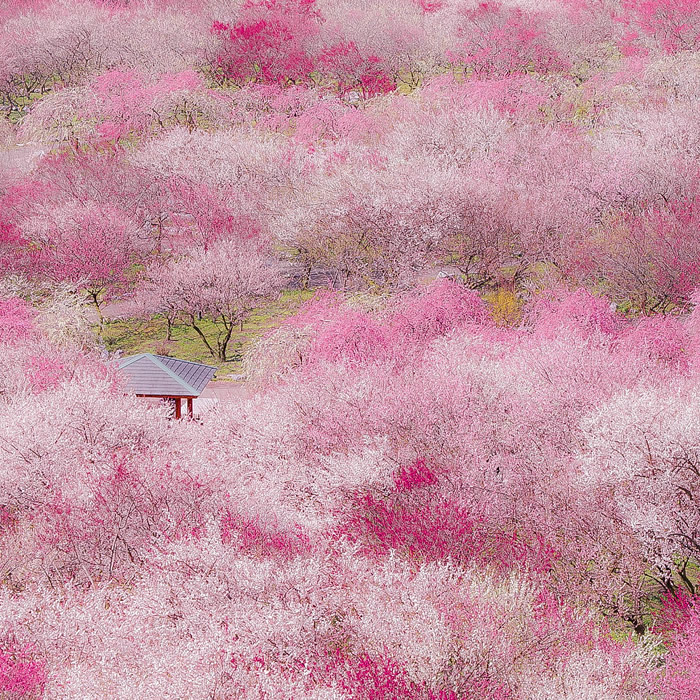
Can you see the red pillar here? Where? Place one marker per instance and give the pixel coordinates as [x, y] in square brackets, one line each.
[178, 408]
[190, 407]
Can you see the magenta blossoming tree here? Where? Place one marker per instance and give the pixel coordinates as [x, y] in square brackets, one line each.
[271, 42]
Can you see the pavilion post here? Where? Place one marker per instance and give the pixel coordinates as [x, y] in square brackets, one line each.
[178, 408]
[190, 407]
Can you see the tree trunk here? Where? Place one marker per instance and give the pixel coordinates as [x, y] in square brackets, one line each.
[198, 330]
[306, 277]
[94, 297]
[224, 342]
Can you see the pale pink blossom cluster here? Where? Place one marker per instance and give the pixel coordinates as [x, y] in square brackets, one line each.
[451, 510]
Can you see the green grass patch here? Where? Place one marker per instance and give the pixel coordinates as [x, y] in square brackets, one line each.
[134, 335]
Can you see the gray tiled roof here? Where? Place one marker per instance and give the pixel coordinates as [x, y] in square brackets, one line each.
[156, 375]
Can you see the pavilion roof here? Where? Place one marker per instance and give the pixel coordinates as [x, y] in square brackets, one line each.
[157, 375]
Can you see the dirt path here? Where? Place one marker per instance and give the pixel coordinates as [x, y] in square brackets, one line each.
[226, 391]
[220, 394]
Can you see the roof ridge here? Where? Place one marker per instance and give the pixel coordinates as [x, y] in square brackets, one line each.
[178, 359]
[179, 380]
[124, 361]
[189, 380]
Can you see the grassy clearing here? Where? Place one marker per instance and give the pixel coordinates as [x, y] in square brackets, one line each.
[133, 336]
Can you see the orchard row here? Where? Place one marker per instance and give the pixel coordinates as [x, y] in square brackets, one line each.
[521, 147]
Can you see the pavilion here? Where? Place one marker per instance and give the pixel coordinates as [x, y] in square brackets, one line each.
[167, 378]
